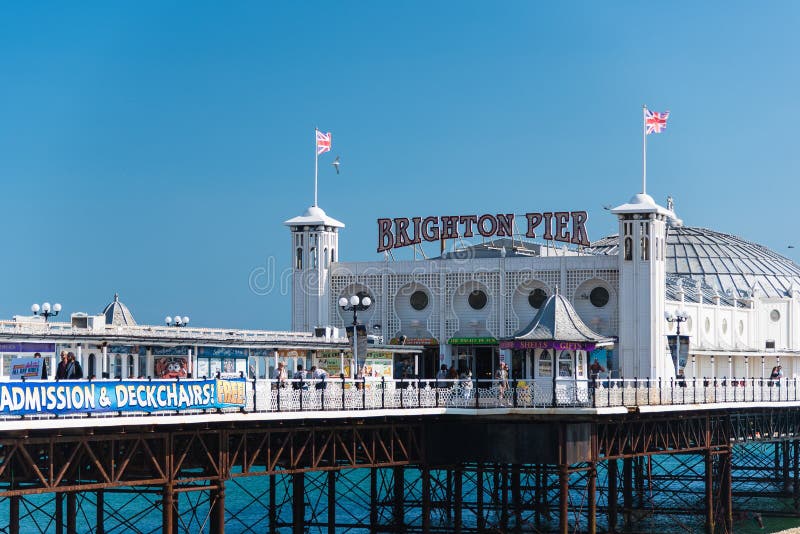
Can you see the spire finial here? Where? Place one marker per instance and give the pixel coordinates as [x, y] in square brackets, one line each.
[116, 297]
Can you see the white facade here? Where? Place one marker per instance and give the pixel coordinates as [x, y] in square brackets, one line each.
[737, 320]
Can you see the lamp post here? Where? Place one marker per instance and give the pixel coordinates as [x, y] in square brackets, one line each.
[355, 304]
[45, 310]
[177, 321]
[678, 317]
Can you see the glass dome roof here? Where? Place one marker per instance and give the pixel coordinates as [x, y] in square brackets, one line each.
[721, 260]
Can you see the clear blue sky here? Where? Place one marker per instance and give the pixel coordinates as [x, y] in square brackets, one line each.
[155, 148]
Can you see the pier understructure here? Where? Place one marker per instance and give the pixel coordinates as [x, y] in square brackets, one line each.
[687, 468]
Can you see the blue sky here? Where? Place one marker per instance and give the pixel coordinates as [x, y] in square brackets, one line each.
[155, 148]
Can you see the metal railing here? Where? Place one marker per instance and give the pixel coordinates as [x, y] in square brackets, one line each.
[345, 394]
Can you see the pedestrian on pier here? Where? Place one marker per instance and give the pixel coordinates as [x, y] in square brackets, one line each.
[73, 369]
[280, 376]
[44, 366]
[299, 377]
[502, 382]
[442, 374]
[61, 370]
[681, 379]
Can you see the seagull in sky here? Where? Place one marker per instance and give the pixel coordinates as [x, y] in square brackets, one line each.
[336, 164]
[791, 246]
[607, 208]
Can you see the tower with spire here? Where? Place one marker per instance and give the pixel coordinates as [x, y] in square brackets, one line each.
[315, 246]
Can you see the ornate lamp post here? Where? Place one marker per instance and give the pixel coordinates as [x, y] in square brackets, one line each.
[355, 304]
[178, 321]
[45, 310]
[679, 317]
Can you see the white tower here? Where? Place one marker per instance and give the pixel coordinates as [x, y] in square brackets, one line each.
[642, 279]
[315, 245]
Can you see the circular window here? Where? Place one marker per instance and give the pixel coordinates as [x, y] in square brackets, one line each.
[689, 324]
[537, 297]
[477, 299]
[708, 325]
[599, 297]
[419, 300]
[741, 327]
[775, 316]
[724, 326]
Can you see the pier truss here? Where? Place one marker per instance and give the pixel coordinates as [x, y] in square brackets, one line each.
[677, 471]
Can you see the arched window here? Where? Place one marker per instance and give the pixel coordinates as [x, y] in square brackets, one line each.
[325, 257]
[333, 256]
[91, 366]
[313, 257]
[645, 248]
[298, 259]
[131, 371]
[628, 249]
[545, 364]
[565, 365]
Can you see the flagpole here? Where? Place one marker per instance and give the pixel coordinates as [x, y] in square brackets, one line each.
[644, 149]
[316, 166]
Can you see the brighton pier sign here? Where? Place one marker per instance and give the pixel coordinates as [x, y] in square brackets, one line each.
[564, 226]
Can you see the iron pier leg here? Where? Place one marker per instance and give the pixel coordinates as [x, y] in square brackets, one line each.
[298, 503]
[777, 463]
[726, 487]
[426, 499]
[273, 507]
[504, 497]
[217, 525]
[458, 482]
[331, 502]
[563, 499]
[479, 496]
[13, 515]
[167, 513]
[785, 465]
[59, 513]
[516, 496]
[99, 519]
[612, 495]
[709, 492]
[796, 474]
[592, 498]
[627, 489]
[72, 512]
[373, 496]
[448, 501]
[639, 481]
[537, 498]
[398, 494]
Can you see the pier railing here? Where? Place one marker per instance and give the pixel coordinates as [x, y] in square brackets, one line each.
[345, 394]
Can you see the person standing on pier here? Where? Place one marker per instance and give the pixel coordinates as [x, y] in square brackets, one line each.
[61, 370]
[73, 370]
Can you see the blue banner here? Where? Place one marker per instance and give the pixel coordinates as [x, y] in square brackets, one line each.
[27, 347]
[222, 352]
[80, 396]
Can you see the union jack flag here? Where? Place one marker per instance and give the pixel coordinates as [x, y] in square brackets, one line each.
[323, 142]
[655, 121]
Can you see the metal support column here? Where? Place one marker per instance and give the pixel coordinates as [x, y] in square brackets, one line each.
[72, 512]
[537, 498]
[504, 497]
[273, 507]
[331, 502]
[458, 483]
[796, 474]
[168, 525]
[426, 498]
[59, 513]
[298, 503]
[785, 465]
[373, 499]
[612, 495]
[13, 514]
[563, 499]
[709, 479]
[591, 489]
[479, 496]
[627, 489]
[217, 519]
[726, 488]
[100, 527]
[398, 494]
[516, 496]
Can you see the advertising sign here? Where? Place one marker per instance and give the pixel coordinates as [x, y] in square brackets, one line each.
[379, 364]
[679, 356]
[171, 367]
[26, 368]
[332, 363]
[64, 397]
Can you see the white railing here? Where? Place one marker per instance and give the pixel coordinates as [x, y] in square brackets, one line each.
[344, 394]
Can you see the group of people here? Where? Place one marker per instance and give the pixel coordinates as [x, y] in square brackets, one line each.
[281, 375]
[68, 367]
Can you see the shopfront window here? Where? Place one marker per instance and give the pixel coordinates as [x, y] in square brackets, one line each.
[545, 364]
[565, 365]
